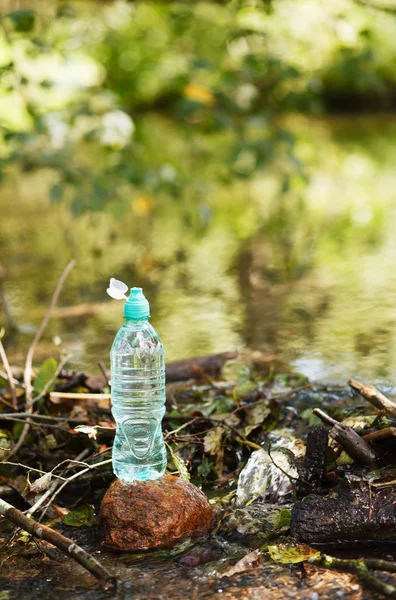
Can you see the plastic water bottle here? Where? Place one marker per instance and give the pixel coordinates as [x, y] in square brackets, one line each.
[137, 390]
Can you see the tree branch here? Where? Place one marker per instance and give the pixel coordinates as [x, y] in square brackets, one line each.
[374, 396]
[58, 540]
[7, 367]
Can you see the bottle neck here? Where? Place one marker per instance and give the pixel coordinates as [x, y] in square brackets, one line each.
[129, 321]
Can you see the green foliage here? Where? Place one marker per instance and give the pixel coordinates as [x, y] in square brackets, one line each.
[81, 517]
[22, 20]
[113, 109]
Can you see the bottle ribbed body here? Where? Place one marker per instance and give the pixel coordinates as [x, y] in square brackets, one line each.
[138, 402]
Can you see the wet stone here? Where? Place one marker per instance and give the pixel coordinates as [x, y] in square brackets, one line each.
[147, 515]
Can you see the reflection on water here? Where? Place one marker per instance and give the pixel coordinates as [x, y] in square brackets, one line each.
[309, 275]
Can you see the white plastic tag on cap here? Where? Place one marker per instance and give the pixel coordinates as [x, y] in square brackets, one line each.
[117, 289]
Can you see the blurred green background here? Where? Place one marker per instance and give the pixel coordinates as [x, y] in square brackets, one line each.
[236, 159]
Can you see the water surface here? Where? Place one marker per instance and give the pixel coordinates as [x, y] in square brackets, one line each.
[308, 274]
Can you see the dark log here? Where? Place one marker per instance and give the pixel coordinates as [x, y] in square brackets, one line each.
[348, 512]
[198, 367]
[313, 468]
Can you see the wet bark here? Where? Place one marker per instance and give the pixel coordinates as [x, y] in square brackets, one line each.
[314, 467]
[348, 512]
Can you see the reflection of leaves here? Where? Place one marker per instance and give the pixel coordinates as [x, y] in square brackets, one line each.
[81, 517]
[56, 192]
[45, 374]
[291, 553]
[23, 20]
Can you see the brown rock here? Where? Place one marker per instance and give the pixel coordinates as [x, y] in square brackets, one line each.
[146, 515]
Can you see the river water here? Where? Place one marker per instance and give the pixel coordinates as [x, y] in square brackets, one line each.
[309, 276]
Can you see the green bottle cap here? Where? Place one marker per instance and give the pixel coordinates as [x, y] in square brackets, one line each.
[137, 306]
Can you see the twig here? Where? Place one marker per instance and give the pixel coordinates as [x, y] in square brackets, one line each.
[27, 376]
[105, 372]
[14, 416]
[71, 478]
[79, 396]
[349, 439]
[54, 484]
[169, 433]
[381, 434]
[29, 357]
[7, 367]
[324, 417]
[17, 464]
[53, 378]
[58, 540]
[374, 396]
[4, 401]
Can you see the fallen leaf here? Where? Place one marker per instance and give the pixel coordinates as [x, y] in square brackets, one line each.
[91, 432]
[246, 563]
[291, 553]
[212, 440]
[179, 464]
[41, 484]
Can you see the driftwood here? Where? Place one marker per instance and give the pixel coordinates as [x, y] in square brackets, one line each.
[64, 544]
[349, 512]
[375, 397]
[349, 439]
[198, 367]
[179, 370]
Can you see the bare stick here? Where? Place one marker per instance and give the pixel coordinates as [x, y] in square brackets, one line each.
[36, 417]
[381, 434]
[29, 357]
[27, 376]
[105, 372]
[79, 396]
[6, 402]
[58, 540]
[54, 484]
[15, 464]
[7, 367]
[374, 396]
[324, 417]
[71, 478]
